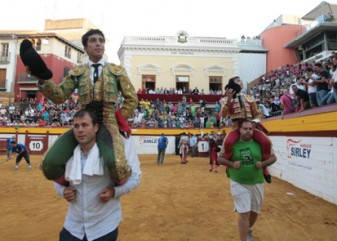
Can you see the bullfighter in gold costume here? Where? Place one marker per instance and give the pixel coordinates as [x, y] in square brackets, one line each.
[99, 94]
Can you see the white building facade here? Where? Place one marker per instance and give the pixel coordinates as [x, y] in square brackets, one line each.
[182, 61]
[8, 58]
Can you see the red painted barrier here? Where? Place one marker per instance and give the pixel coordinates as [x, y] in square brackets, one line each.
[37, 144]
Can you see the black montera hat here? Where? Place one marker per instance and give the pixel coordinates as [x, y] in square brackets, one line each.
[235, 87]
[33, 60]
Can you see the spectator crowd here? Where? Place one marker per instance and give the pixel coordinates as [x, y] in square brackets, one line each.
[295, 88]
[42, 112]
[180, 91]
[289, 89]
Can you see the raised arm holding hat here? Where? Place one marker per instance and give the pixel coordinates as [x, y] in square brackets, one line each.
[33, 61]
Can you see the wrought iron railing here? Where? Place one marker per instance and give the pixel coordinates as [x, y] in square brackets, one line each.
[24, 77]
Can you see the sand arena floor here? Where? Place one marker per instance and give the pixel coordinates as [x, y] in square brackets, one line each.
[174, 202]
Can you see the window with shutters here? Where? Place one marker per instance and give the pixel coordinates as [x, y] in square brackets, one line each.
[3, 78]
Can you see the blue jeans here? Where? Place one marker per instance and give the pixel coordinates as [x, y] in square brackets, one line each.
[161, 154]
[9, 153]
[334, 94]
[320, 95]
[65, 235]
[313, 99]
[328, 99]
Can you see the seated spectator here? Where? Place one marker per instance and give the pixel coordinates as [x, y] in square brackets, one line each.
[275, 105]
[182, 122]
[152, 123]
[150, 91]
[268, 106]
[41, 122]
[263, 109]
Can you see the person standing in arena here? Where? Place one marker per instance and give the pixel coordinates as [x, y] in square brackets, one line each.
[183, 148]
[213, 154]
[238, 107]
[193, 145]
[162, 144]
[9, 147]
[246, 178]
[22, 153]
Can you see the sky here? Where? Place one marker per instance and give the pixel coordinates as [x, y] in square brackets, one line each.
[199, 18]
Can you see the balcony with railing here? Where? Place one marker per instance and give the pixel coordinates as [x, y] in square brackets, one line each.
[5, 57]
[322, 19]
[25, 78]
[174, 41]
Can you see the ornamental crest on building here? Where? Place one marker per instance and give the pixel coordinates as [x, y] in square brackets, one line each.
[182, 37]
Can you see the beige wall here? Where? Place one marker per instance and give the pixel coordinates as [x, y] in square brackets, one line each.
[199, 76]
[70, 29]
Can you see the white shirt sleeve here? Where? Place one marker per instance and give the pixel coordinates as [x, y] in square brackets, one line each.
[334, 76]
[59, 189]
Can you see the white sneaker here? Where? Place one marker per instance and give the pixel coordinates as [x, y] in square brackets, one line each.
[250, 235]
[16, 168]
[29, 168]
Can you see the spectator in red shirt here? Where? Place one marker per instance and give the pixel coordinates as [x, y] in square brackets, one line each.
[286, 102]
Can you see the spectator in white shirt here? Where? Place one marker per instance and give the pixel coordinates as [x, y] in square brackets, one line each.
[137, 120]
[3, 111]
[11, 110]
[193, 145]
[311, 87]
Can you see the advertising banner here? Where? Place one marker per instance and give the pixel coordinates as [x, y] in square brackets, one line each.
[148, 144]
[308, 163]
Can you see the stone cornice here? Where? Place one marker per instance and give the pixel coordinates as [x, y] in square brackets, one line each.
[143, 48]
[148, 67]
[181, 44]
[182, 68]
[214, 69]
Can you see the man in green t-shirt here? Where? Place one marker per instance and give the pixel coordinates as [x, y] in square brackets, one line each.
[246, 174]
